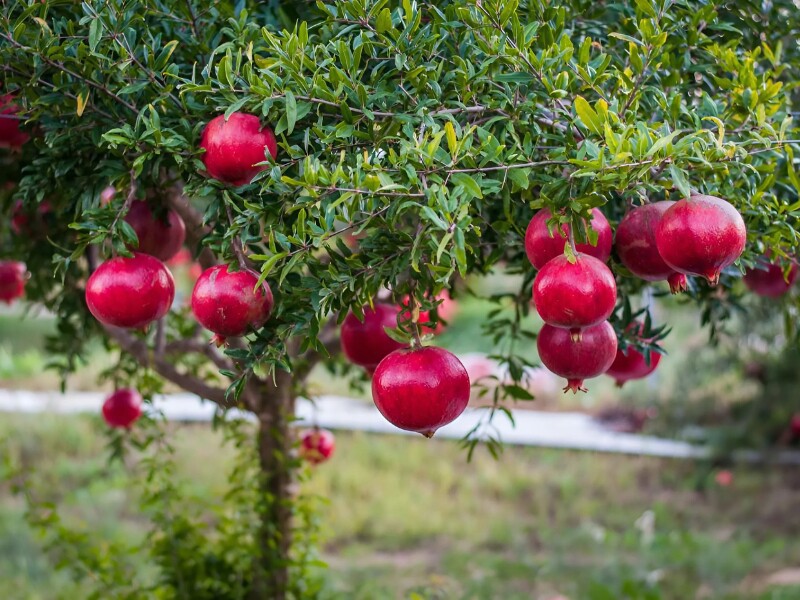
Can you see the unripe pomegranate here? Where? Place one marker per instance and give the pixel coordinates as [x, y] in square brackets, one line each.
[11, 136]
[631, 364]
[317, 445]
[159, 237]
[236, 146]
[122, 408]
[576, 360]
[701, 236]
[130, 292]
[769, 280]
[636, 246]
[541, 246]
[366, 343]
[574, 295]
[228, 303]
[421, 389]
[13, 276]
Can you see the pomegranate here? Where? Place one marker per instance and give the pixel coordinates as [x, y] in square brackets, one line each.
[27, 222]
[769, 280]
[631, 364]
[366, 343]
[542, 247]
[236, 146]
[130, 292]
[13, 276]
[636, 246]
[421, 389]
[794, 425]
[701, 236]
[574, 295]
[11, 136]
[159, 237]
[122, 408]
[445, 309]
[317, 445]
[576, 360]
[228, 303]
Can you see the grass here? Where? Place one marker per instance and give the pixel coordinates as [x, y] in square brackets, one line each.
[410, 515]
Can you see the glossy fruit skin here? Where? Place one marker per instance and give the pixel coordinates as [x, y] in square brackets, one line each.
[421, 389]
[11, 136]
[317, 445]
[576, 360]
[769, 281]
[13, 276]
[122, 408]
[630, 364]
[234, 147]
[541, 247]
[159, 237]
[227, 303]
[574, 295]
[701, 236]
[635, 243]
[367, 343]
[130, 292]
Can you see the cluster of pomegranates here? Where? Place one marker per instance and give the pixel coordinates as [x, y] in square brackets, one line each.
[575, 295]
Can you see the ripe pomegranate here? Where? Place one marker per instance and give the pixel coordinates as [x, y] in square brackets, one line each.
[122, 408]
[130, 292]
[13, 276]
[769, 280]
[27, 222]
[794, 425]
[577, 360]
[701, 236]
[542, 247]
[228, 303]
[11, 136]
[235, 147]
[317, 445]
[159, 237]
[631, 364]
[636, 246]
[421, 389]
[366, 343]
[574, 295]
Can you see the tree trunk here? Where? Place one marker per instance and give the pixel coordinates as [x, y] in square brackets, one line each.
[271, 577]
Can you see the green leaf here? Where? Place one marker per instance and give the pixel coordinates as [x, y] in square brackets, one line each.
[384, 22]
[468, 184]
[291, 111]
[627, 38]
[680, 181]
[95, 33]
[661, 143]
[452, 141]
[520, 177]
[588, 115]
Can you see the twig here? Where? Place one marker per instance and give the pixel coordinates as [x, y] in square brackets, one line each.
[236, 243]
[198, 347]
[126, 205]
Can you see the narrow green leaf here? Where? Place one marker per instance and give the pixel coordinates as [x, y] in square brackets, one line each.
[588, 115]
[680, 181]
[291, 111]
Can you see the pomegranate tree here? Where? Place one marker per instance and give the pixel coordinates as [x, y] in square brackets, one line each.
[421, 389]
[122, 408]
[365, 342]
[161, 236]
[636, 246]
[13, 276]
[130, 292]
[230, 303]
[235, 146]
[574, 293]
[769, 280]
[577, 359]
[701, 236]
[317, 445]
[541, 245]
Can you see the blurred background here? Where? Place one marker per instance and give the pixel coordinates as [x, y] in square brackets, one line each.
[405, 517]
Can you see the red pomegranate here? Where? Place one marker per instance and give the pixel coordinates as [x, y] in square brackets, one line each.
[701, 236]
[236, 146]
[635, 243]
[576, 360]
[366, 343]
[794, 425]
[130, 292]
[159, 236]
[228, 303]
[25, 221]
[317, 445]
[768, 280]
[122, 408]
[421, 389]
[631, 364]
[13, 276]
[11, 136]
[542, 247]
[574, 295]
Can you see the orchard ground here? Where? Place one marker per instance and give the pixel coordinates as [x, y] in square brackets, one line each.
[407, 516]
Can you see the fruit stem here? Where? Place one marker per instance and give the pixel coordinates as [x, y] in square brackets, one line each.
[571, 236]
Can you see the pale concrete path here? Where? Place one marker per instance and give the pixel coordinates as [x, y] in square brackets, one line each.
[576, 431]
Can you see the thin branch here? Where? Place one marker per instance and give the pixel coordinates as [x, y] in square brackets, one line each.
[127, 204]
[331, 188]
[236, 243]
[198, 347]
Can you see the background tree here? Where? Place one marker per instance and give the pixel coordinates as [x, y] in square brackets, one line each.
[432, 131]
